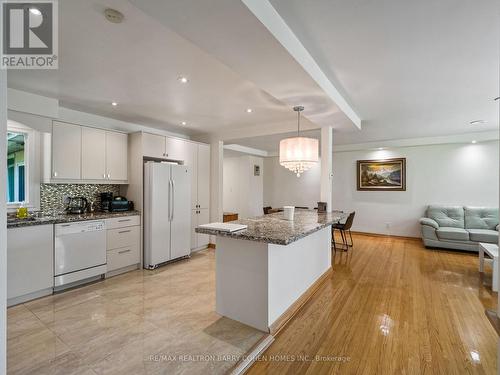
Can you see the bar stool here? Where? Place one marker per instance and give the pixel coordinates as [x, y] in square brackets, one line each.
[344, 229]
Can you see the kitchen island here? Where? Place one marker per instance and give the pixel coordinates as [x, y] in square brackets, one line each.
[266, 272]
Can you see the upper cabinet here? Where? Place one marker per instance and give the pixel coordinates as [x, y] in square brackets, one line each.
[83, 154]
[176, 149]
[66, 151]
[160, 147]
[116, 156]
[153, 145]
[193, 154]
[93, 154]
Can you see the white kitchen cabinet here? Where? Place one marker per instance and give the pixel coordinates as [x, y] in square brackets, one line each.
[122, 222]
[194, 224]
[30, 263]
[123, 244]
[176, 149]
[191, 161]
[116, 156]
[203, 182]
[153, 145]
[93, 154]
[81, 154]
[199, 160]
[122, 237]
[66, 151]
[198, 217]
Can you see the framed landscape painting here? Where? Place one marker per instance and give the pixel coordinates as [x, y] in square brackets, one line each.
[382, 175]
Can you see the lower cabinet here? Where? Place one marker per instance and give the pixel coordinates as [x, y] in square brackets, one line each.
[30, 263]
[198, 217]
[123, 244]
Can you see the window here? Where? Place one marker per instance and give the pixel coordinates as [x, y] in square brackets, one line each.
[16, 170]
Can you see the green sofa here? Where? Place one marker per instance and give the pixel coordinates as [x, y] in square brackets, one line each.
[460, 228]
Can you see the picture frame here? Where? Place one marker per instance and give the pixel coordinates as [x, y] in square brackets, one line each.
[381, 175]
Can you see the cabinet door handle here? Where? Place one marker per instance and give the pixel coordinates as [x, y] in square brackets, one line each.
[109, 176]
[104, 175]
[124, 251]
[124, 231]
[124, 220]
[55, 174]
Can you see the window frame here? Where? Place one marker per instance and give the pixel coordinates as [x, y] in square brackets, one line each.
[28, 152]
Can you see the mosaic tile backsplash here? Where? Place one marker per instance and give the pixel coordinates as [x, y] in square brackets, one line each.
[52, 195]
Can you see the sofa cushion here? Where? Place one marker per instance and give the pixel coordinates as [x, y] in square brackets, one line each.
[450, 233]
[483, 235]
[447, 216]
[480, 217]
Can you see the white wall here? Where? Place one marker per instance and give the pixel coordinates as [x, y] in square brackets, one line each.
[283, 188]
[454, 174]
[243, 192]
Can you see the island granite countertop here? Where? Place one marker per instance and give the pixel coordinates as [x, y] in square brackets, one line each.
[66, 218]
[274, 229]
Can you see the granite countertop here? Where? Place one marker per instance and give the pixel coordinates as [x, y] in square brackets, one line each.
[66, 218]
[274, 229]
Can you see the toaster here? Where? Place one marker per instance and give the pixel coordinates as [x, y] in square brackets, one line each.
[119, 204]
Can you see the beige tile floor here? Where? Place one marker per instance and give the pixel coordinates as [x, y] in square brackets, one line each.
[142, 322]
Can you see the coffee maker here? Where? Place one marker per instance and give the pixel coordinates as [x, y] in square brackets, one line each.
[106, 199]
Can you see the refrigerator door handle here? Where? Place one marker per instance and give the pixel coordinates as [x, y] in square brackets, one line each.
[170, 200]
[173, 198]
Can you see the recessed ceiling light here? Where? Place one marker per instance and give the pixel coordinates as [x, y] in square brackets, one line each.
[114, 104]
[474, 142]
[183, 123]
[477, 122]
[183, 79]
[249, 110]
[35, 11]
[381, 148]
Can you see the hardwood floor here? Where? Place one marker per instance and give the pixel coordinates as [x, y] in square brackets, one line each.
[391, 307]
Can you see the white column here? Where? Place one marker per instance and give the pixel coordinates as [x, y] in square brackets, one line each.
[216, 173]
[326, 166]
[3, 223]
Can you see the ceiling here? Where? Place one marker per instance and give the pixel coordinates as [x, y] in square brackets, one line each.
[270, 143]
[408, 69]
[137, 64]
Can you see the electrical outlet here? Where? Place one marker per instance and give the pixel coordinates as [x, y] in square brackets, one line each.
[387, 225]
[65, 199]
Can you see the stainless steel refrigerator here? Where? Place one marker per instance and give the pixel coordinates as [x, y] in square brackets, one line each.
[167, 212]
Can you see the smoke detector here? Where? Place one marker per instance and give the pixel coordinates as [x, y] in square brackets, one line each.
[112, 15]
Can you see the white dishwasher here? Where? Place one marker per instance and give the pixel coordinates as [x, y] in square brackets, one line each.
[79, 252]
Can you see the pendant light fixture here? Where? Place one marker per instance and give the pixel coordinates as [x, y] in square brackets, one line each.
[298, 154]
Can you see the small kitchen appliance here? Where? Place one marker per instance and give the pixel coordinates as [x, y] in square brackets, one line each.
[119, 204]
[77, 205]
[106, 199]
